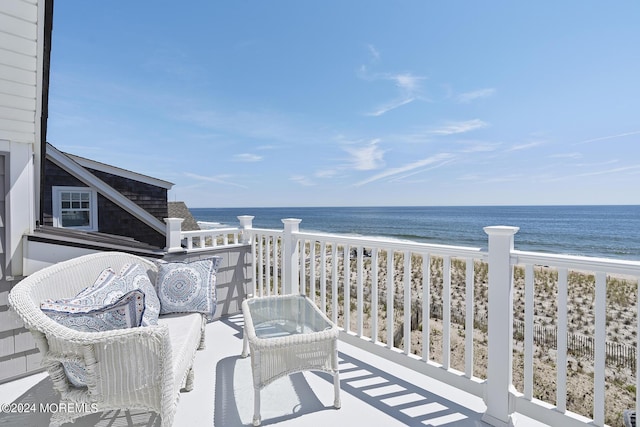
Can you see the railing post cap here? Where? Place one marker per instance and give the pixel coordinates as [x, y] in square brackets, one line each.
[291, 221]
[246, 221]
[501, 230]
[168, 220]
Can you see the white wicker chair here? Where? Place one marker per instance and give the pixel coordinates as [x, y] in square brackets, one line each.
[127, 368]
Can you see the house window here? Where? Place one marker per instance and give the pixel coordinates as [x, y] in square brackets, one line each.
[75, 207]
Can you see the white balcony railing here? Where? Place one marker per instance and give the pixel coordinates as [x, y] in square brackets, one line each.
[380, 291]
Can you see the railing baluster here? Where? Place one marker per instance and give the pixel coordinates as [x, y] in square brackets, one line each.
[303, 267]
[469, 317]
[261, 265]
[407, 302]
[255, 273]
[529, 292]
[390, 298]
[334, 282]
[561, 365]
[374, 294]
[638, 347]
[312, 269]
[268, 265]
[275, 247]
[359, 291]
[323, 276]
[426, 305]
[446, 312]
[600, 348]
[347, 288]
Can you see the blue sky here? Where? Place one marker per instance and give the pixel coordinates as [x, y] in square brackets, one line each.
[355, 103]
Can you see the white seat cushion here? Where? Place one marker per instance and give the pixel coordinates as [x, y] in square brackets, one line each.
[184, 334]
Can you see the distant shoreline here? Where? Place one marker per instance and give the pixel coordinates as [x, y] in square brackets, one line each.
[607, 231]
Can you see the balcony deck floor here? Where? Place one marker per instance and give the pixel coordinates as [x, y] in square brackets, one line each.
[374, 391]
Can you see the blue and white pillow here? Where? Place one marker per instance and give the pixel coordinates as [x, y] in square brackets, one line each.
[104, 280]
[135, 277]
[188, 287]
[109, 286]
[125, 312]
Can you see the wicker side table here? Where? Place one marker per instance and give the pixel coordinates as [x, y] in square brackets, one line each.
[287, 334]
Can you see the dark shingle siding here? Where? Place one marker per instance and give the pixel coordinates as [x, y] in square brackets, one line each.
[151, 198]
[112, 219]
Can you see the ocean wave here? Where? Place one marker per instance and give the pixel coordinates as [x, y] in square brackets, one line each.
[208, 225]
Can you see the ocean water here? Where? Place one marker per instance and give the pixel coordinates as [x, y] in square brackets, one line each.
[602, 231]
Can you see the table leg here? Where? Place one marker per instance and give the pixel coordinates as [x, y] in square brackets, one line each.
[256, 407]
[336, 375]
[336, 390]
[245, 344]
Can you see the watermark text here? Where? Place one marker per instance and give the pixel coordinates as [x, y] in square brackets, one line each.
[52, 408]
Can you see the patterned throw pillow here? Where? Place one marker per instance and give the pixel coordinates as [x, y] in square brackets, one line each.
[110, 286]
[125, 312]
[135, 277]
[104, 280]
[188, 287]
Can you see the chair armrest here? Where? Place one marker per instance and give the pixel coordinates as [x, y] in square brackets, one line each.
[124, 367]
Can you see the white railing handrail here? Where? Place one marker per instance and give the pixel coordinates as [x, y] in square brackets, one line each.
[267, 231]
[575, 262]
[210, 231]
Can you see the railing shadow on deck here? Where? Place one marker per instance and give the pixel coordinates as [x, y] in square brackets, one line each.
[408, 403]
[400, 399]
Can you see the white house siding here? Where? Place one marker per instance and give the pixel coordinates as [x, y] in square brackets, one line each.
[18, 70]
[21, 77]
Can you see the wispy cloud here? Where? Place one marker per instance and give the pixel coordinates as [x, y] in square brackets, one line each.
[566, 156]
[220, 179]
[468, 97]
[375, 55]
[247, 157]
[633, 168]
[603, 138]
[383, 109]
[469, 177]
[302, 180]
[453, 128]
[408, 84]
[628, 170]
[421, 170]
[525, 146]
[326, 173]
[504, 178]
[479, 146]
[265, 125]
[438, 158]
[406, 81]
[366, 157]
